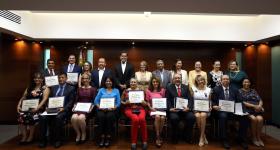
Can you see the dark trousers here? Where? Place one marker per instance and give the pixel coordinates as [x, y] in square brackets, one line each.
[243, 124]
[106, 121]
[55, 123]
[189, 120]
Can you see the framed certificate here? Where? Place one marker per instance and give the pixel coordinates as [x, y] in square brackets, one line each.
[239, 110]
[106, 103]
[72, 77]
[29, 103]
[51, 80]
[56, 102]
[226, 105]
[181, 103]
[159, 103]
[201, 105]
[158, 113]
[82, 107]
[136, 96]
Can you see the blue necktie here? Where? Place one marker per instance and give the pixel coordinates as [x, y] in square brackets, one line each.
[60, 91]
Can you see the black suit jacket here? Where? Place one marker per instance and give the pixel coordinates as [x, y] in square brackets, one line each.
[95, 77]
[76, 69]
[69, 96]
[218, 93]
[171, 94]
[123, 78]
[46, 72]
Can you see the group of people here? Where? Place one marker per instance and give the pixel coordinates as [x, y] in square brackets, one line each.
[94, 85]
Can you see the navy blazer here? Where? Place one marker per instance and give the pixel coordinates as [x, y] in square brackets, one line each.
[123, 78]
[46, 72]
[69, 96]
[76, 69]
[218, 93]
[95, 77]
[171, 94]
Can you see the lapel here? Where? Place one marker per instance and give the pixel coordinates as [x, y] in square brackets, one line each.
[174, 89]
[222, 91]
[126, 68]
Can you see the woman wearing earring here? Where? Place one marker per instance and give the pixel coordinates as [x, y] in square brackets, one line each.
[214, 76]
[177, 68]
[28, 118]
[201, 92]
[197, 71]
[143, 76]
[236, 76]
[87, 67]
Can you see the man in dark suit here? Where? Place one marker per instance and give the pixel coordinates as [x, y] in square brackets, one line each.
[56, 122]
[72, 67]
[50, 71]
[174, 90]
[100, 73]
[227, 92]
[162, 74]
[124, 71]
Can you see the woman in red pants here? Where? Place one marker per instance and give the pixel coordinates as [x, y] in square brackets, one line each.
[137, 114]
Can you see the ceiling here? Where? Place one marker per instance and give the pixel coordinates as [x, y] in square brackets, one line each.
[177, 6]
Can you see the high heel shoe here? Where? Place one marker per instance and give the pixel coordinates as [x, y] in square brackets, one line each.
[133, 147]
[201, 143]
[205, 140]
[255, 142]
[101, 143]
[261, 143]
[107, 142]
[158, 142]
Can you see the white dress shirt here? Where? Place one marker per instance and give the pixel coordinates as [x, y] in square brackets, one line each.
[100, 75]
[123, 67]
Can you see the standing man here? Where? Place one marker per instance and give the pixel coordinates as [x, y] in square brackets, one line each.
[124, 71]
[227, 92]
[164, 75]
[174, 91]
[100, 73]
[56, 122]
[72, 67]
[50, 71]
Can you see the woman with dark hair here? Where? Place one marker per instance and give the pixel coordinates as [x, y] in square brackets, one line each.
[236, 75]
[143, 76]
[177, 68]
[214, 76]
[137, 114]
[87, 67]
[254, 105]
[155, 91]
[107, 117]
[28, 118]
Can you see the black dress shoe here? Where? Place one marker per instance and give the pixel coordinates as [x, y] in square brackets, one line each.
[57, 144]
[78, 142]
[107, 142]
[133, 147]
[226, 144]
[244, 145]
[145, 146]
[102, 141]
[42, 144]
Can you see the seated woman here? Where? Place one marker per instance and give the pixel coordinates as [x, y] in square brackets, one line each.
[85, 94]
[107, 116]
[201, 92]
[155, 91]
[27, 119]
[254, 105]
[137, 114]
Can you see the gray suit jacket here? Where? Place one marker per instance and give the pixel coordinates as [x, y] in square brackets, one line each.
[166, 77]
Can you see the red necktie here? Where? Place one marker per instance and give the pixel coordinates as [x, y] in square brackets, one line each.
[179, 91]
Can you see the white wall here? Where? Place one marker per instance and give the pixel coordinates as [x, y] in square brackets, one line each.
[89, 25]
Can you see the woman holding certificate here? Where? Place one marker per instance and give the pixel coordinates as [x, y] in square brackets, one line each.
[87, 67]
[84, 96]
[201, 96]
[31, 103]
[136, 112]
[254, 105]
[155, 91]
[107, 101]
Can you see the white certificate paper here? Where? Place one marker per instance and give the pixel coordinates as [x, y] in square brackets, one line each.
[82, 107]
[56, 102]
[51, 80]
[158, 113]
[29, 103]
[239, 109]
[136, 96]
[72, 77]
[201, 105]
[159, 103]
[106, 103]
[181, 103]
[226, 105]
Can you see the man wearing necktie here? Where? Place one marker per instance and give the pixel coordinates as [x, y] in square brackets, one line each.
[227, 92]
[56, 122]
[50, 70]
[174, 90]
[72, 68]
